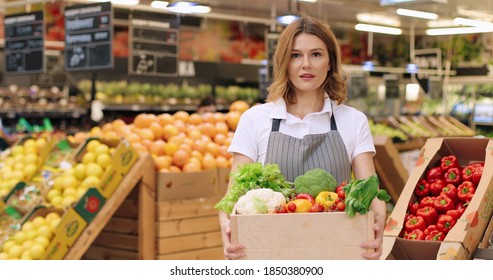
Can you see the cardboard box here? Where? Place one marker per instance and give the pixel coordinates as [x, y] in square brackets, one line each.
[302, 236]
[187, 185]
[463, 239]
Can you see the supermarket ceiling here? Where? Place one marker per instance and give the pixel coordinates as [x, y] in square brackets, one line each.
[338, 13]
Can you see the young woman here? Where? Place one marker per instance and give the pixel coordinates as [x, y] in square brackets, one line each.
[304, 124]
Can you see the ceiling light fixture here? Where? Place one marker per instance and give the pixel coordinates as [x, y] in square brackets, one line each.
[457, 30]
[120, 2]
[472, 22]
[417, 14]
[159, 4]
[378, 29]
[188, 7]
[378, 19]
[290, 16]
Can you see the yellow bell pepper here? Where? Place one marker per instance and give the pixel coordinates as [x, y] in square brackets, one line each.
[326, 198]
[299, 206]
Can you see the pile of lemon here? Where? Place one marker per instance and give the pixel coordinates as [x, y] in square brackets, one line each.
[31, 241]
[21, 163]
[76, 180]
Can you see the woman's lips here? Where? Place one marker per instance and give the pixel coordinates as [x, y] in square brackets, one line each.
[307, 76]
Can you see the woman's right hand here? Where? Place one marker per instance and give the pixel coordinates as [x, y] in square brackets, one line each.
[231, 251]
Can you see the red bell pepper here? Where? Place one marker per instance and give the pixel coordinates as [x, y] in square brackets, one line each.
[437, 186]
[448, 162]
[452, 176]
[435, 235]
[454, 213]
[422, 188]
[305, 196]
[467, 172]
[445, 223]
[451, 191]
[429, 214]
[413, 207]
[433, 174]
[443, 203]
[461, 206]
[317, 208]
[427, 201]
[466, 191]
[415, 222]
[430, 228]
[415, 234]
[476, 176]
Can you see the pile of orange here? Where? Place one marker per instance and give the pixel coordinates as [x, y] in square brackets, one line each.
[178, 142]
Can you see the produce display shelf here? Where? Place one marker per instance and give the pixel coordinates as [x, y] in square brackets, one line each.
[71, 113]
[141, 175]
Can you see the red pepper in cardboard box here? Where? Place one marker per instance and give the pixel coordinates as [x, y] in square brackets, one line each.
[445, 223]
[451, 191]
[435, 235]
[443, 203]
[466, 191]
[422, 188]
[467, 172]
[476, 176]
[434, 173]
[415, 222]
[413, 207]
[429, 214]
[427, 201]
[448, 162]
[416, 234]
[452, 176]
[437, 186]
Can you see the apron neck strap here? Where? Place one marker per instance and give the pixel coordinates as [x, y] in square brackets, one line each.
[275, 124]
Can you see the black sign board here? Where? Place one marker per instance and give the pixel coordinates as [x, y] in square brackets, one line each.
[391, 82]
[427, 59]
[271, 43]
[154, 45]
[24, 44]
[358, 85]
[88, 36]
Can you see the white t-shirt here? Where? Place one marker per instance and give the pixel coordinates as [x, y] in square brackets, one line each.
[252, 134]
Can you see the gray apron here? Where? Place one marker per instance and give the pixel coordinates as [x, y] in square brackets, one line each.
[296, 156]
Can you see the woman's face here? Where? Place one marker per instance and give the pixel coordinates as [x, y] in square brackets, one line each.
[309, 63]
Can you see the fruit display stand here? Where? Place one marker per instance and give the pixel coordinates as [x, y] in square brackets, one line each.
[141, 176]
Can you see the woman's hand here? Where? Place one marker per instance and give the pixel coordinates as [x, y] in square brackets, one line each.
[379, 209]
[231, 251]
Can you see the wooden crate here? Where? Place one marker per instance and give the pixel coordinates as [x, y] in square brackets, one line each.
[188, 230]
[125, 226]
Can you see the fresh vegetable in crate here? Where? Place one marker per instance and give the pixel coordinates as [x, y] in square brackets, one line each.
[315, 181]
[253, 176]
[360, 193]
[259, 201]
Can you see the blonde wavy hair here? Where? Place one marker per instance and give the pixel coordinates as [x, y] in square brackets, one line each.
[335, 82]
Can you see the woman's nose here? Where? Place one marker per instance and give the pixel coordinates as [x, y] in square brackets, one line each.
[306, 62]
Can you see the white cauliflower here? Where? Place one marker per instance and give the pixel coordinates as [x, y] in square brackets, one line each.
[259, 201]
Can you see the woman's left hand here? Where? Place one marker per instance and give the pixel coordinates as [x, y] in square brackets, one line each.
[375, 246]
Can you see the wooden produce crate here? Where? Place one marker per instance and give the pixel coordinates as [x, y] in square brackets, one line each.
[391, 172]
[188, 230]
[124, 228]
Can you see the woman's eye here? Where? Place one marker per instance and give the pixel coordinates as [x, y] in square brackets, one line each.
[317, 54]
[295, 55]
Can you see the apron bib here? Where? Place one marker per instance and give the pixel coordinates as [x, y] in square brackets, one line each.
[296, 156]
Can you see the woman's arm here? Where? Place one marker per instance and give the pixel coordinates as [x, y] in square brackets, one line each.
[363, 167]
[231, 251]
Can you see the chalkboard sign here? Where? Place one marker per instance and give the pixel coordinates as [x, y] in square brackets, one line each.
[271, 43]
[154, 45]
[88, 37]
[24, 44]
[358, 85]
[391, 85]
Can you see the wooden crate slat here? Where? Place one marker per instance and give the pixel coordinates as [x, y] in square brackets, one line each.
[128, 209]
[175, 209]
[117, 241]
[102, 253]
[122, 225]
[189, 242]
[187, 226]
[215, 253]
